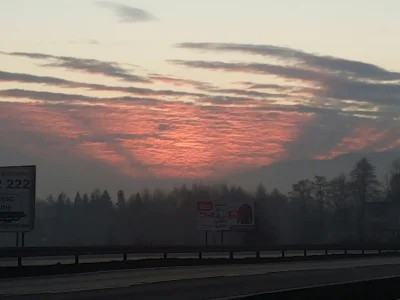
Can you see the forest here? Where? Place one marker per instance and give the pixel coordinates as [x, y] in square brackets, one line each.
[316, 210]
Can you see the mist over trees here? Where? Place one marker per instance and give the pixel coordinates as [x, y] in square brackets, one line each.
[317, 210]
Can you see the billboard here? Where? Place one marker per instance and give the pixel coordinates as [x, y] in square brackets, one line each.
[205, 215]
[225, 215]
[17, 198]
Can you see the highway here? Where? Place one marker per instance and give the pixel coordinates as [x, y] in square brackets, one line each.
[197, 283]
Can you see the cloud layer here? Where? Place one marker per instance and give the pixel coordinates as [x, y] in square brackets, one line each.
[301, 105]
[334, 79]
[331, 64]
[126, 13]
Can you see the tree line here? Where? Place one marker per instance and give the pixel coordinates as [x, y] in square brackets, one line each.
[316, 210]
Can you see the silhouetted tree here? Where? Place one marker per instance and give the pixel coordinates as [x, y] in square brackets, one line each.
[304, 217]
[85, 199]
[340, 202]
[320, 193]
[78, 201]
[121, 203]
[393, 182]
[366, 187]
[316, 210]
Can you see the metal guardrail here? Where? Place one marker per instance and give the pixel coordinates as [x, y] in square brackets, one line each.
[25, 252]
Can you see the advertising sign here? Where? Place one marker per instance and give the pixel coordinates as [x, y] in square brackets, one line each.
[17, 198]
[225, 215]
[221, 217]
[205, 215]
[241, 216]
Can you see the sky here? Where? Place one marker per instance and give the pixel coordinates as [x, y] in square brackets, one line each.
[134, 92]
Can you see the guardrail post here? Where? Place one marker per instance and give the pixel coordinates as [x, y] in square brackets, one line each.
[362, 251]
[283, 253]
[305, 252]
[326, 252]
[19, 261]
[165, 255]
[125, 257]
[345, 251]
[379, 251]
[231, 255]
[200, 255]
[76, 259]
[258, 254]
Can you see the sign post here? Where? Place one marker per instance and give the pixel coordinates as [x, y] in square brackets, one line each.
[17, 200]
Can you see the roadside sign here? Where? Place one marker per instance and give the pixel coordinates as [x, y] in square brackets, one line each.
[225, 215]
[205, 215]
[17, 198]
[221, 217]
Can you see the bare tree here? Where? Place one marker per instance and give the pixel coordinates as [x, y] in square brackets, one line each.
[366, 187]
[393, 182]
[319, 192]
[339, 200]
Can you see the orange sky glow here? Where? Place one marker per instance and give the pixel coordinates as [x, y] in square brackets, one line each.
[171, 127]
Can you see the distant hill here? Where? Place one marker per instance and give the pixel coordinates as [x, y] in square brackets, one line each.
[283, 174]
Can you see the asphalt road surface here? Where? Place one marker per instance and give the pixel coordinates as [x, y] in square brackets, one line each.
[196, 283]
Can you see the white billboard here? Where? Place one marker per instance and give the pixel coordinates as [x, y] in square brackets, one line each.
[205, 215]
[17, 198]
[225, 215]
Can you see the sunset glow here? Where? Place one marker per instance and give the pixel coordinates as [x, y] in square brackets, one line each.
[166, 106]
